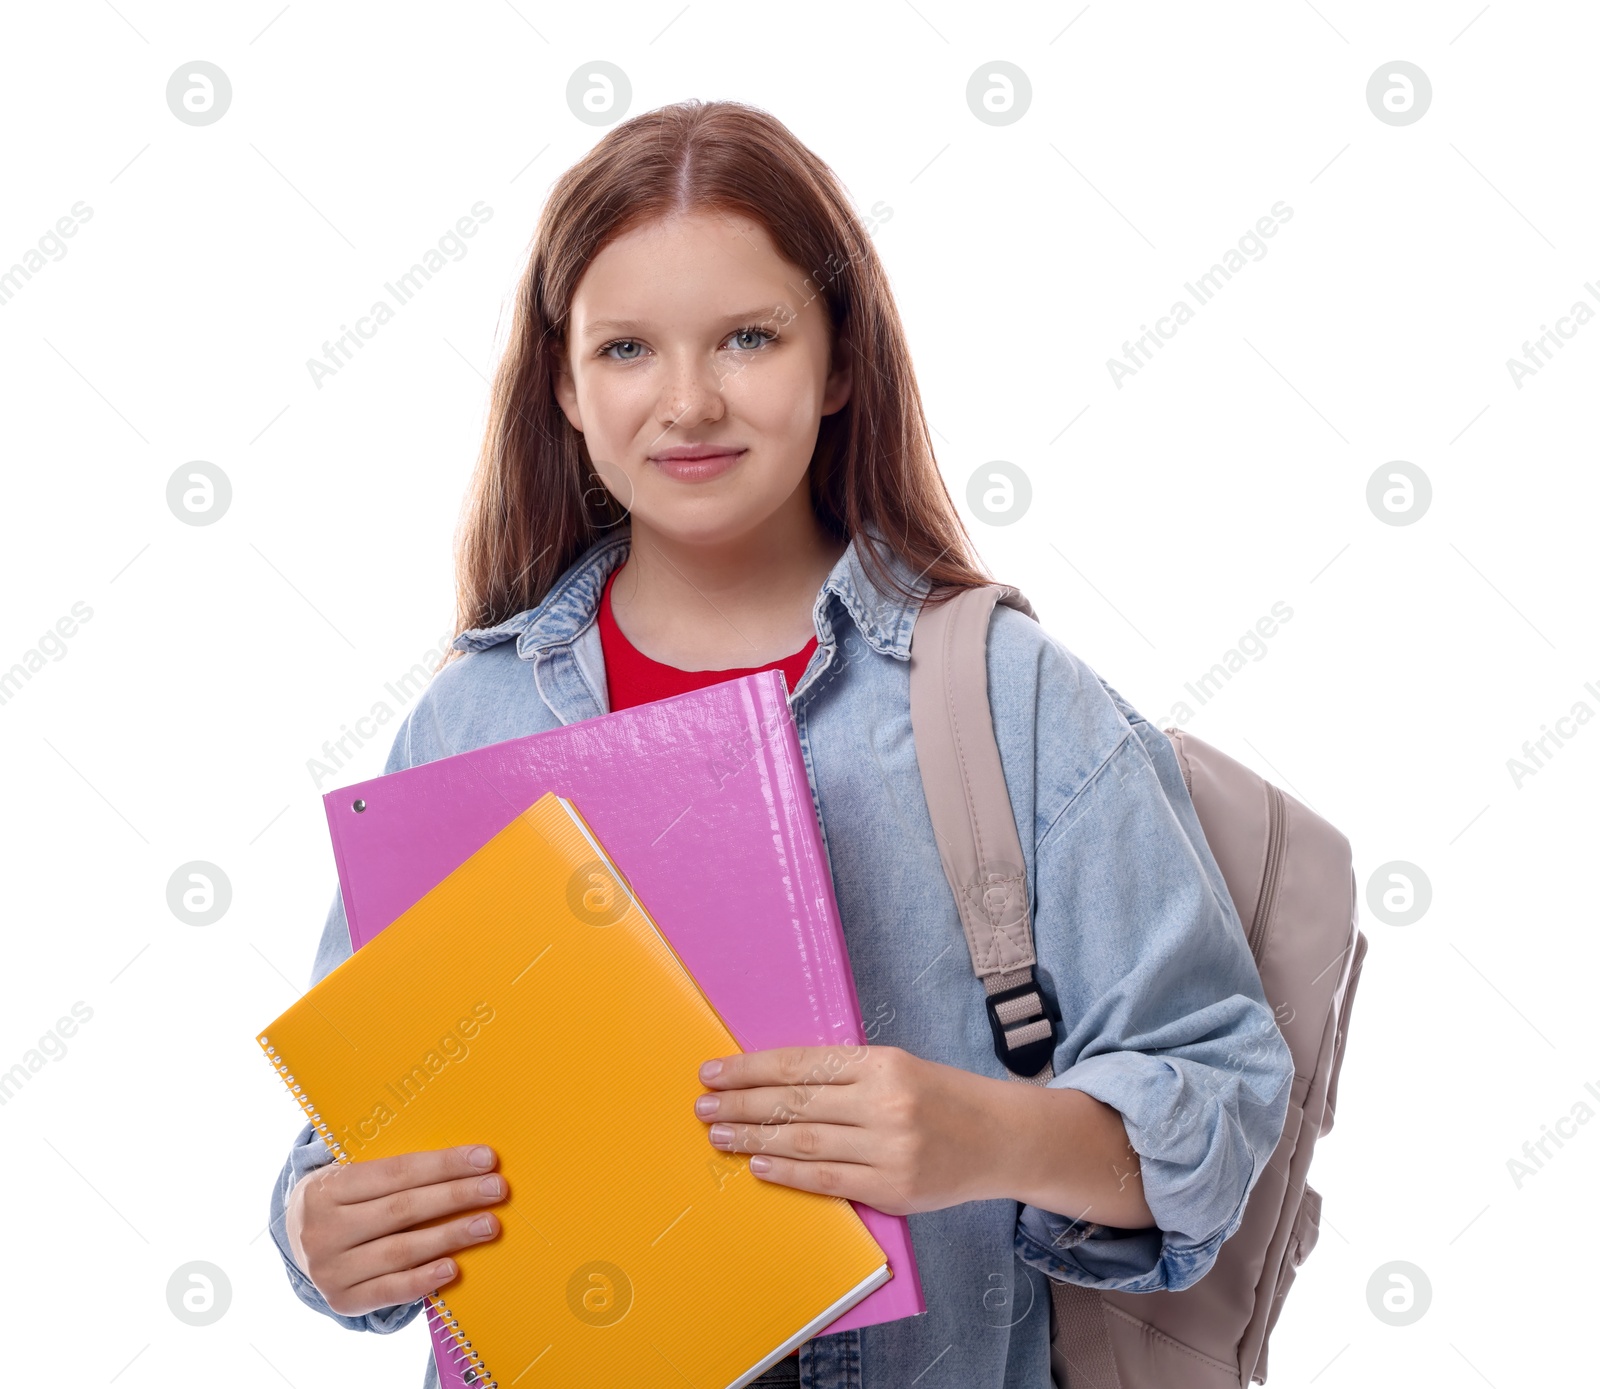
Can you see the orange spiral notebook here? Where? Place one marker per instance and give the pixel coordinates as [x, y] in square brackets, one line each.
[529, 1002]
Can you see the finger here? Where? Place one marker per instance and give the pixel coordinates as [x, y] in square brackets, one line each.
[851, 1181]
[416, 1205]
[803, 1067]
[351, 1182]
[412, 1251]
[393, 1289]
[768, 1104]
[807, 1142]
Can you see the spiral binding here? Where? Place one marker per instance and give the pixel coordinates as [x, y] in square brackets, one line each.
[467, 1360]
[476, 1373]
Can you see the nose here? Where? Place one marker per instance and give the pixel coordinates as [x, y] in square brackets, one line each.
[691, 393]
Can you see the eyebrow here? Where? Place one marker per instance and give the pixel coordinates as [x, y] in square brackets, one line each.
[599, 326]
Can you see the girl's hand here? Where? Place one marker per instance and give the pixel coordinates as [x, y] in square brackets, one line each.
[352, 1227]
[870, 1124]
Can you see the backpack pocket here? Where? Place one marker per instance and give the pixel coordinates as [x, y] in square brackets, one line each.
[1302, 1240]
[1344, 1032]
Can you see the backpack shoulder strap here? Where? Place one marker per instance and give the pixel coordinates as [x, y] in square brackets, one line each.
[973, 824]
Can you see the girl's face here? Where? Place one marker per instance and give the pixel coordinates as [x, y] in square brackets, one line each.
[694, 337]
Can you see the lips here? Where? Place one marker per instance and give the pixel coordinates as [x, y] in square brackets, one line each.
[696, 462]
[693, 452]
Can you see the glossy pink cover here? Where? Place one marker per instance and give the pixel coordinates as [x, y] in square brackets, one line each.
[703, 802]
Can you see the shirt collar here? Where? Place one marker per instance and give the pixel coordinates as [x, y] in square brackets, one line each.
[884, 619]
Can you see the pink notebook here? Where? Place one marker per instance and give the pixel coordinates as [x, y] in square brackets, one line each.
[712, 777]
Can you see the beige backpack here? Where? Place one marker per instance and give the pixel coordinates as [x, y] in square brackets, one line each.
[1290, 876]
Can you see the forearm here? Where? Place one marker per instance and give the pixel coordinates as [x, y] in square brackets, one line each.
[1066, 1152]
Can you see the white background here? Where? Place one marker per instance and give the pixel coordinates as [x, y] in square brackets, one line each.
[1168, 515]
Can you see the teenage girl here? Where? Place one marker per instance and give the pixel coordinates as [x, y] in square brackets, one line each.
[706, 456]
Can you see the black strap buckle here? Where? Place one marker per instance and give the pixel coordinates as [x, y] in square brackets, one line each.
[1029, 1058]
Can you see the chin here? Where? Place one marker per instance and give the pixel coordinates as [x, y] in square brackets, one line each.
[713, 522]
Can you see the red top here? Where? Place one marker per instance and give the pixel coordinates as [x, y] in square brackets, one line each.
[633, 678]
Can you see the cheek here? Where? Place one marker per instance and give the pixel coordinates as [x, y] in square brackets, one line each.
[615, 406]
[618, 415]
[782, 402]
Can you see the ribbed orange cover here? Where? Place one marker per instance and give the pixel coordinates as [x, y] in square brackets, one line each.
[529, 1002]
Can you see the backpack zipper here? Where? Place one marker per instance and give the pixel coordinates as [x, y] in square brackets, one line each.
[1277, 839]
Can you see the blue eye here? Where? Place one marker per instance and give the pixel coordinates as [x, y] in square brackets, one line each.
[765, 336]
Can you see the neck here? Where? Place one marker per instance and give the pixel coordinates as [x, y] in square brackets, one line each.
[742, 601]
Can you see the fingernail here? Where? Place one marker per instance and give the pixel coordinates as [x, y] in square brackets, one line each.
[706, 1106]
[760, 1164]
[710, 1070]
[442, 1271]
[480, 1156]
[489, 1186]
[722, 1134]
[481, 1226]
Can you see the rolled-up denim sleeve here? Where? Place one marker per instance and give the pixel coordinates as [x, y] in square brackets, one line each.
[1164, 1015]
[309, 1152]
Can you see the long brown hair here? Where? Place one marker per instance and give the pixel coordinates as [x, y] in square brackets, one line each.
[535, 503]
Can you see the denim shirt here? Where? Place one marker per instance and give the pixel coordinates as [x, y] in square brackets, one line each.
[1138, 944]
